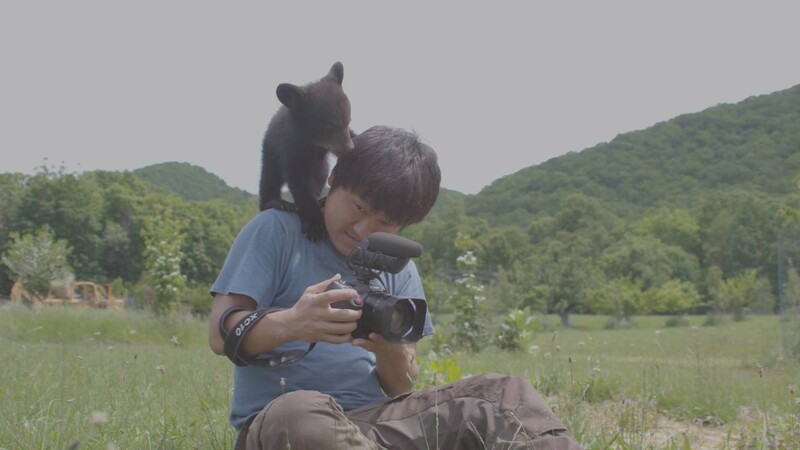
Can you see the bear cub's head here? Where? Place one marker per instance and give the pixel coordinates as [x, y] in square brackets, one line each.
[321, 110]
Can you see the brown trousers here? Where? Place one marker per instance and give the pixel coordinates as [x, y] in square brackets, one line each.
[487, 411]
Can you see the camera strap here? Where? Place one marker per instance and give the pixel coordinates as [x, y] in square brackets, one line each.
[233, 340]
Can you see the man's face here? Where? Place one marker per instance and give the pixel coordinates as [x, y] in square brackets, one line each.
[349, 220]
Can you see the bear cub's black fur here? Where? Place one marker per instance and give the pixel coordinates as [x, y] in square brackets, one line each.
[314, 120]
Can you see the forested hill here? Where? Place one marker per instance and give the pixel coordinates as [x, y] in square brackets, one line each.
[191, 183]
[753, 145]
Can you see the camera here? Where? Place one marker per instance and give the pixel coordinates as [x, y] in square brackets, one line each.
[399, 320]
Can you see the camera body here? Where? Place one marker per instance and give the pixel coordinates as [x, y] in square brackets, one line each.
[399, 320]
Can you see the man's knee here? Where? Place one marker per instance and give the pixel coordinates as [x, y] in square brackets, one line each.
[304, 420]
[293, 418]
[517, 400]
[496, 386]
[299, 404]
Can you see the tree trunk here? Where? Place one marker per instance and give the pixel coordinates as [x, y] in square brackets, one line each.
[564, 315]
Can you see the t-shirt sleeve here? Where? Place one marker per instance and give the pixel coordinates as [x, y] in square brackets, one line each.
[252, 267]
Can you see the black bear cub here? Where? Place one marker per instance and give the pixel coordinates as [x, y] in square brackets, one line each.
[314, 120]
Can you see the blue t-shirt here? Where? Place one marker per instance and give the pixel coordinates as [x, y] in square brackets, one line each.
[273, 263]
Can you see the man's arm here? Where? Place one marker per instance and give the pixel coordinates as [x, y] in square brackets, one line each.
[396, 363]
[270, 333]
[311, 319]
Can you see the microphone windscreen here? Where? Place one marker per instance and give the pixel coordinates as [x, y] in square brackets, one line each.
[393, 245]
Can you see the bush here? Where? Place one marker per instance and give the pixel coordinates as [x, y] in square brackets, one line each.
[714, 319]
[516, 330]
[677, 321]
[196, 300]
[617, 324]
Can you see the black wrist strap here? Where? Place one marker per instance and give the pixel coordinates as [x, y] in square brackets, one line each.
[234, 337]
[222, 332]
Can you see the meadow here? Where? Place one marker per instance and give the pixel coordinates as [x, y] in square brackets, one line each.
[95, 379]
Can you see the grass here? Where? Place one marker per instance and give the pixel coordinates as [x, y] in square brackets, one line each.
[95, 379]
[618, 388]
[103, 379]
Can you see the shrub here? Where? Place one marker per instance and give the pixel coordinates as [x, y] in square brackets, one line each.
[516, 330]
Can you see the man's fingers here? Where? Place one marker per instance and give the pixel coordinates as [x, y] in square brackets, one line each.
[335, 338]
[322, 285]
[323, 296]
[339, 328]
[336, 295]
[343, 315]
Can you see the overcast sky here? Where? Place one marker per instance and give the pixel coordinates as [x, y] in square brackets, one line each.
[494, 89]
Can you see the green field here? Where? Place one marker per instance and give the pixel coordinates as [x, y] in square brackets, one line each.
[103, 379]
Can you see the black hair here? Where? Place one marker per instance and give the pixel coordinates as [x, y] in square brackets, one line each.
[393, 171]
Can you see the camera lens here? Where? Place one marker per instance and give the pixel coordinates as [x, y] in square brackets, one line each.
[401, 318]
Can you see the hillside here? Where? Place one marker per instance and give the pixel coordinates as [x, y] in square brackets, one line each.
[753, 145]
[191, 183]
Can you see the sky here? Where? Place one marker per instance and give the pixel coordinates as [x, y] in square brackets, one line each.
[492, 88]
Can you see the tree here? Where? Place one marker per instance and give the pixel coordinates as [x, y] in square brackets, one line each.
[514, 288]
[649, 260]
[620, 298]
[791, 291]
[11, 187]
[163, 239]
[713, 283]
[562, 271]
[739, 293]
[673, 297]
[72, 207]
[210, 229]
[738, 232]
[502, 247]
[37, 260]
[674, 227]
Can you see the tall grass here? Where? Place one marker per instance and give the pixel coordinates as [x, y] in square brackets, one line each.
[95, 379]
[103, 379]
[646, 386]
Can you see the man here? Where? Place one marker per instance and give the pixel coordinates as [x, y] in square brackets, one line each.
[351, 393]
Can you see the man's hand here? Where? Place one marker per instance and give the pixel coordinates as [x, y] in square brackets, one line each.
[378, 345]
[312, 319]
[396, 363]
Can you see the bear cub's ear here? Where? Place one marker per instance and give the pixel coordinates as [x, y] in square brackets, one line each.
[336, 73]
[289, 94]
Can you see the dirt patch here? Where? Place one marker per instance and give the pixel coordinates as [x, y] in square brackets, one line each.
[631, 423]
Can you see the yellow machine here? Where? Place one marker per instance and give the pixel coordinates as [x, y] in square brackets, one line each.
[76, 293]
